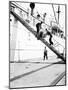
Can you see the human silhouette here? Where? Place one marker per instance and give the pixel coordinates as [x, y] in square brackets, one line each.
[38, 27]
[45, 53]
[50, 38]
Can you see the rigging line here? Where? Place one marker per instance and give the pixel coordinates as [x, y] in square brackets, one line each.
[58, 12]
[54, 14]
[58, 43]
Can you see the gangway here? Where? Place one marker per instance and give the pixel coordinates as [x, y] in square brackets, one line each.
[34, 32]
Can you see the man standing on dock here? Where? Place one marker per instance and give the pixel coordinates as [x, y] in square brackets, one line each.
[45, 53]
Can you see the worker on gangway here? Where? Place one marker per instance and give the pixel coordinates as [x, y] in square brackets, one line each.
[38, 27]
[50, 38]
[42, 32]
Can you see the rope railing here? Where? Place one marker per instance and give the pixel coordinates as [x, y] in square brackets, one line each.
[21, 8]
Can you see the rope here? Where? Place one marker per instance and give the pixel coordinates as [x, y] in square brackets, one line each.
[54, 13]
[58, 43]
